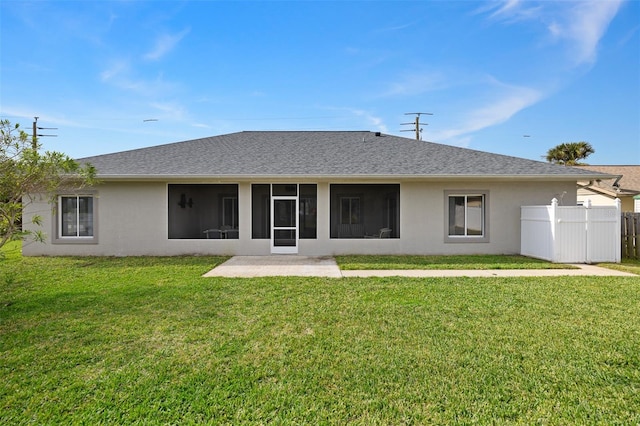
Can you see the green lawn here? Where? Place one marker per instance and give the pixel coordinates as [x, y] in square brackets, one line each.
[627, 265]
[148, 341]
[446, 262]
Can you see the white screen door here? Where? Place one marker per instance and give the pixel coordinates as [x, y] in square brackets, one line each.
[284, 225]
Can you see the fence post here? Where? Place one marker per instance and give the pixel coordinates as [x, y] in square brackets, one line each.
[636, 238]
[629, 235]
[618, 226]
[554, 228]
[624, 236]
[587, 219]
[635, 242]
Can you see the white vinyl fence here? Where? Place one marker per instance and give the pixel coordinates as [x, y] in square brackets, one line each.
[576, 234]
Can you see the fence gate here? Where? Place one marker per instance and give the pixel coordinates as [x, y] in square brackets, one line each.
[575, 234]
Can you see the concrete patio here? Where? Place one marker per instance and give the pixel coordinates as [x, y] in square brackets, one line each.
[326, 266]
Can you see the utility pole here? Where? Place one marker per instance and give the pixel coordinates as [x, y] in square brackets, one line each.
[418, 129]
[36, 135]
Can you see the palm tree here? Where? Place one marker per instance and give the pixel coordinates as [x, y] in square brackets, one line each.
[569, 153]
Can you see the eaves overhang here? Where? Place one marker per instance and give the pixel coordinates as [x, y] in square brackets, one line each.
[611, 193]
[353, 177]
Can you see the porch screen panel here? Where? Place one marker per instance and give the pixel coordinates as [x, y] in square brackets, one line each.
[349, 210]
[308, 220]
[365, 210]
[203, 211]
[260, 211]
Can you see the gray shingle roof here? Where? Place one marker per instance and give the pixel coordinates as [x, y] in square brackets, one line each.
[317, 154]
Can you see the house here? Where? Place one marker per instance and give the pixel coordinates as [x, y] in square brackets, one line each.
[311, 193]
[603, 192]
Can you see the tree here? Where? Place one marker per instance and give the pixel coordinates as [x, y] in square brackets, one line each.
[25, 173]
[569, 153]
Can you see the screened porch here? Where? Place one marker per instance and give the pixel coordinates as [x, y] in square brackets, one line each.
[365, 210]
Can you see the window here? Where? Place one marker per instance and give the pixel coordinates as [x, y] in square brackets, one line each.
[75, 219]
[466, 216]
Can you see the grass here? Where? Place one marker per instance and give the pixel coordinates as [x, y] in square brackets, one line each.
[148, 341]
[627, 265]
[446, 262]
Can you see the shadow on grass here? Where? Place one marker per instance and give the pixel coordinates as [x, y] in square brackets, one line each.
[11, 256]
[147, 261]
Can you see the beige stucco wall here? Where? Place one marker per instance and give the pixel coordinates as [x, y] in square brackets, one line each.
[423, 225]
[132, 219]
[627, 203]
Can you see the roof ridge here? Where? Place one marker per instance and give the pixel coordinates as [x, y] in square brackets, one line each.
[306, 131]
[321, 153]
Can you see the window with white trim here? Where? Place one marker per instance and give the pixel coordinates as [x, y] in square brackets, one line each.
[75, 216]
[466, 215]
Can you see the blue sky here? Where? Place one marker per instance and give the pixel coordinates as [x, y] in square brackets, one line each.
[490, 72]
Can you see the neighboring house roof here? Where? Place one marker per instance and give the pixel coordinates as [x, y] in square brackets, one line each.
[329, 154]
[627, 180]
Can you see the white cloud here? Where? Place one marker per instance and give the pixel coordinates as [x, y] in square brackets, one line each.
[120, 75]
[511, 11]
[417, 83]
[580, 24]
[501, 109]
[116, 69]
[398, 27]
[172, 110]
[165, 44]
[371, 119]
[507, 8]
[25, 116]
[575, 27]
[490, 112]
[584, 25]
